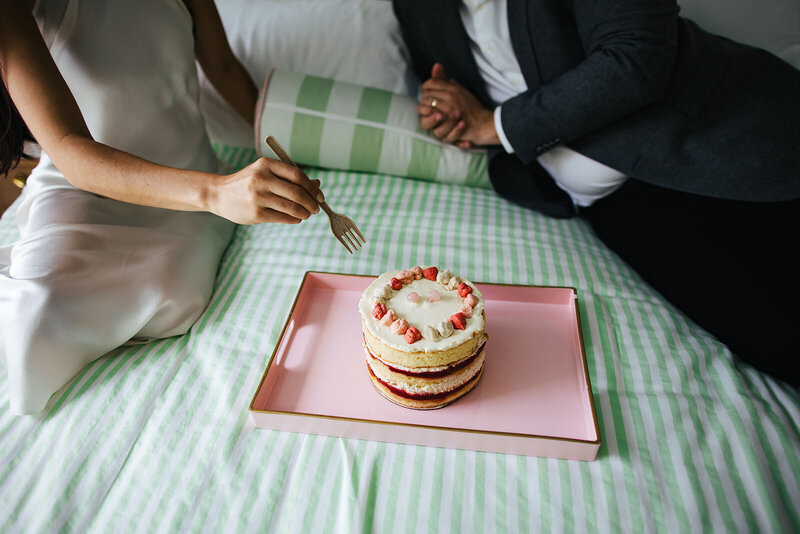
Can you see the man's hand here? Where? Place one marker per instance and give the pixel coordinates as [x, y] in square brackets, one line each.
[453, 114]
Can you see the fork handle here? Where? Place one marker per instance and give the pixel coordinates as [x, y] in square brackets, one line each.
[278, 150]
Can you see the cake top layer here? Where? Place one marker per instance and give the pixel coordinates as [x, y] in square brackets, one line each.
[445, 311]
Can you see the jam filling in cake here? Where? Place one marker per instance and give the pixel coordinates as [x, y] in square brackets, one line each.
[428, 397]
[431, 372]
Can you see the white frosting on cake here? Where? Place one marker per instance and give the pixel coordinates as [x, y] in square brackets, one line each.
[420, 314]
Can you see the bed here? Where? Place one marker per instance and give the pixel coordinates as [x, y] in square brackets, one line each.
[158, 437]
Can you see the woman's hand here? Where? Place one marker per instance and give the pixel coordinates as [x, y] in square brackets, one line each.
[267, 190]
[453, 114]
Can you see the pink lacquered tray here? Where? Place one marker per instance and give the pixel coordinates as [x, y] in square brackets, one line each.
[534, 398]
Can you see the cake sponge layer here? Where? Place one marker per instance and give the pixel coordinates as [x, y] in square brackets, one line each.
[414, 385]
[424, 404]
[413, 360]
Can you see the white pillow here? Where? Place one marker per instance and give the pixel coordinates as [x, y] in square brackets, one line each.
[773, 25]
[355, 41]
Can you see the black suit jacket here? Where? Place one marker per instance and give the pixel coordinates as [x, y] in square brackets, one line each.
[631, 84]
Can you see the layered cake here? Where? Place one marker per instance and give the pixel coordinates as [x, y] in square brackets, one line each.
[424, 336]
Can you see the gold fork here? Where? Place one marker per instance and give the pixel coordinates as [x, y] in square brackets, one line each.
[342, 226]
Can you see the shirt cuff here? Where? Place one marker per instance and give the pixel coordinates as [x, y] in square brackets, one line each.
[498, 126]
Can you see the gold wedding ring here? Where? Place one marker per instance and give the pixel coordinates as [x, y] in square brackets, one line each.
[434, 102]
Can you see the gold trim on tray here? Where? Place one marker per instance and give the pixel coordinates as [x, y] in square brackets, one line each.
[598, 441]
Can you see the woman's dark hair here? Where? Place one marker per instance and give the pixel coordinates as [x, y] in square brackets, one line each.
[13, 132]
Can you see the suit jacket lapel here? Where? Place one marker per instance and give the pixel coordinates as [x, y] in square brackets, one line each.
[455, 52]
[522, 41]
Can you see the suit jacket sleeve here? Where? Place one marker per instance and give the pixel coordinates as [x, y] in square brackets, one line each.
[630, 48]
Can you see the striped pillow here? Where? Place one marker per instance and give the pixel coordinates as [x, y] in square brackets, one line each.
[336, 125]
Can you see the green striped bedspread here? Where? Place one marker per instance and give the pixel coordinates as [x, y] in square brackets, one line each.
[157, 437]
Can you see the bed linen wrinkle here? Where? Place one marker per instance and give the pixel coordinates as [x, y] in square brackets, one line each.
[232, 292]
[313, 461]
[603, 403]
[217, 449]
[102, 494]
[672, 465]
[62, 440]
[718, 453]
[773, 446]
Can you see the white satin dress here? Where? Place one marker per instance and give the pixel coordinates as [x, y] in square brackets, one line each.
[89, 273]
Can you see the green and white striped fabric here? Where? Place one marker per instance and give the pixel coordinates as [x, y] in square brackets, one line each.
[157, 437]
[337, 125]
[235, 157]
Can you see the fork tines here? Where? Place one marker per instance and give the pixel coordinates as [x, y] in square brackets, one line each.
[346, 231]
[342, 226]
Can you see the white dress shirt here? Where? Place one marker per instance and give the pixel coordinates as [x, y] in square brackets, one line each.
[486, 21]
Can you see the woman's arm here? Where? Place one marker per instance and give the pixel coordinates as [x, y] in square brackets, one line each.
[266, 191]
[220, 66]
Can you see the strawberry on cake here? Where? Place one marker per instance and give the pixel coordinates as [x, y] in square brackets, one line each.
[424, 336]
